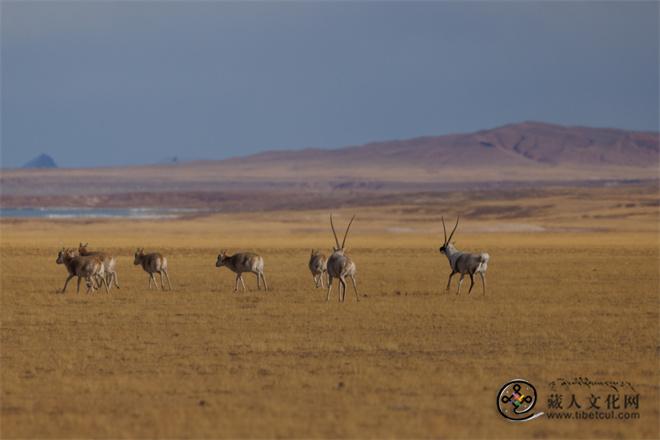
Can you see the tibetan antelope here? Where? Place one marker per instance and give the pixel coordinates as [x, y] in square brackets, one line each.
[318, 265]
[109, 263]
[340, 265]
[243, 262]
[90, 268]
[462, 262]
[153, 263]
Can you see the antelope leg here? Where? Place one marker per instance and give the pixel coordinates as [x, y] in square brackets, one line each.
[471, 283]
[460, 281]
[167, 275]
[342, 289]
[78, 288]
[483, 281]
[449, 280]
[67, 282]
[263, 278]
[327, 297]
[355, 288]
[236, 286]
[115, 279]
[243, 283]
[258, 281]
[99, 281]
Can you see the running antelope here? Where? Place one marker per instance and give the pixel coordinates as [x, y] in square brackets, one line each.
[340, 265]
[153, 263]
[90, 268]
[109, 263]
[318, 265]
[243, 262]
[462, 262]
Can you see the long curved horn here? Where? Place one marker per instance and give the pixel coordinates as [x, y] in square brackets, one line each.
[452, 232]
[445, 230]
[333, 231]
[347, 228]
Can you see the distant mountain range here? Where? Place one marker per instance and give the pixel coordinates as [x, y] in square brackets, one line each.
[528, 153]
[524, 144]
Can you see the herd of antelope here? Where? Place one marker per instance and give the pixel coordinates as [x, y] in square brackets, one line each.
[98, 268]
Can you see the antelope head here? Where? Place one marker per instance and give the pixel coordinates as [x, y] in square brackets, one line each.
[139, 253]
[447, 244]
[338, 248]
[82, 247]
[222, 257]
[60, 256]
[65, 254]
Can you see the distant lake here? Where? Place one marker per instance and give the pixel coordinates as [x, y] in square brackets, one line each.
[63, 213]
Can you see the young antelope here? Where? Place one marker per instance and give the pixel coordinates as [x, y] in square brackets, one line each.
[318, 265]
[243, 262]
[463, 263]
[109, 263]
[89, 268]
[153, 263]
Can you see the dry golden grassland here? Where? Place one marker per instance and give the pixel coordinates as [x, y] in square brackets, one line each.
[408, 360]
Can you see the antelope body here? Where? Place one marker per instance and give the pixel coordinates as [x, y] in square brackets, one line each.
[243, 262]
[153, 263]
[464, 263]
[341, 266]
[88, 267]
[318, 265]
[109, 263]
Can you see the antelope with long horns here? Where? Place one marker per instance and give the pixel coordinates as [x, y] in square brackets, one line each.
[462, 262]
[318, 266]
[340, 265]
[243, 262]
[153, 263]
[109, 263]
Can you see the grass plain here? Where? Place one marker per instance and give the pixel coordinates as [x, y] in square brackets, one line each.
[572, 292]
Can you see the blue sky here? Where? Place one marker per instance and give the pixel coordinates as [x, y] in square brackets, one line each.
[112, 83]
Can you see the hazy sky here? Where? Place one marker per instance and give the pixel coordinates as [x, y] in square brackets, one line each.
[136, 82]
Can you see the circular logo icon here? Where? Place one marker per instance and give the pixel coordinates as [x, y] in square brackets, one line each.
[516, 400]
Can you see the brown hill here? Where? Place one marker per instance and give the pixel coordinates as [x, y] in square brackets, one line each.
[525, 144]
